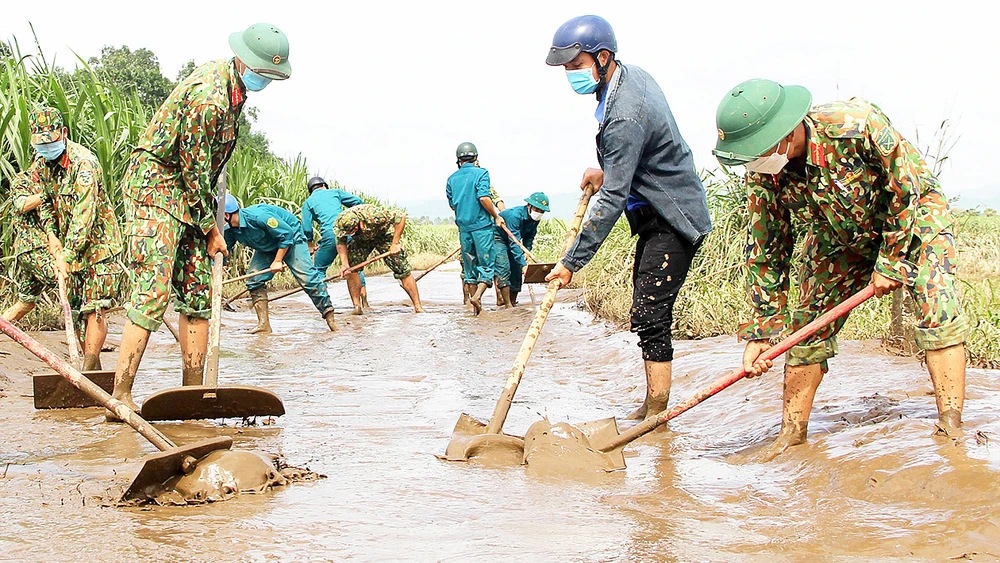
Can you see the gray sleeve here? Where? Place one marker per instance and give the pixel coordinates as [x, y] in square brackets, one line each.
[622, 143]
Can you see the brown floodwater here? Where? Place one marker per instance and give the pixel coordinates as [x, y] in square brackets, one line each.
[371, 405]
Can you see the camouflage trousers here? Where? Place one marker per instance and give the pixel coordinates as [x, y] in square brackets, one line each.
[34, 272]
[166, 256]
[360, 250]
[832, 272]
[94, 289]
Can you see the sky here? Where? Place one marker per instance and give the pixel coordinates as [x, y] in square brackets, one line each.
[381, 93]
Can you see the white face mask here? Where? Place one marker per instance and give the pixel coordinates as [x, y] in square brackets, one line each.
[770, 164]
[535, 215]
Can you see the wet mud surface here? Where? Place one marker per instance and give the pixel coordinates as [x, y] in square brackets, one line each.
[371, 405]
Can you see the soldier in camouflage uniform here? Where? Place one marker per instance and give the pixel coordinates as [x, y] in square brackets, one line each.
[874, 214]
[170, 192]
[372, 229]
[34, 268]
[75, 210]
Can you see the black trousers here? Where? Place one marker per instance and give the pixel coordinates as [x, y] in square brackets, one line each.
[662, 261]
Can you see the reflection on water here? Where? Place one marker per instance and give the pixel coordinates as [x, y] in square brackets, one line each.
[370, 405]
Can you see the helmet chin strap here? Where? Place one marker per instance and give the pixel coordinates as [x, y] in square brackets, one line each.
[602, 73]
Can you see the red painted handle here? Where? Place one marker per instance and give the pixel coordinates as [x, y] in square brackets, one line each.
[720, 384]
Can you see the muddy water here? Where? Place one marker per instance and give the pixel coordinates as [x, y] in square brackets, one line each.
[371, 405]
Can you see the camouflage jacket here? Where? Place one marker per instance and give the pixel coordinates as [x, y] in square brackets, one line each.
[372, 221]
[863, 186]
[27, 227]
[178, 160]
[76, 208]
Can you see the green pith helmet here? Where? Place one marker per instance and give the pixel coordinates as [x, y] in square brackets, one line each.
[466, 150]
[538, 200]
[755, 116]
[46, 123]
[264, 49]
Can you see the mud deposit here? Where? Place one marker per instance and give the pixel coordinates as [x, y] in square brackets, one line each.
[371, 405]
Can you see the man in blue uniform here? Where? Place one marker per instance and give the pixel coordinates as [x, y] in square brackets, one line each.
[277, 239]
[322, 207]
[648, 173]
[522, 221]
[468, 192]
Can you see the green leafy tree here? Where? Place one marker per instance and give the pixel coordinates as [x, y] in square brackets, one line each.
[138, 70]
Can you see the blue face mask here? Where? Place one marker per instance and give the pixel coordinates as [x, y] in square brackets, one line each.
[51, 151]
[253, 81]
[582, 80]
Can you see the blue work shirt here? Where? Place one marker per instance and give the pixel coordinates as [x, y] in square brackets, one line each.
[265, 227]
[523, 227]
[465, 187]
[323, 207]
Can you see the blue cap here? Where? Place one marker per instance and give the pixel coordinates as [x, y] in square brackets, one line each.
[232, 204]
[588, 34]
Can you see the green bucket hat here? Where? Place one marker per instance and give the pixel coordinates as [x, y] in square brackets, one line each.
[264, 49]
[755, 116]
[46, 124]
[538, 200]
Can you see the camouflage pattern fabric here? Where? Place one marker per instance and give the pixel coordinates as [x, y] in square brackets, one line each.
[495, 197]
[870, 203]
[46, 125]
[27, 227]
[180, 156]
[76, 207]
[94, 289]
[166, 255]
[360, 250]
[35, 272]
[370, 229]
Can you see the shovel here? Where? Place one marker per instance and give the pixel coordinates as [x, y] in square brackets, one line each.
[247, 276]
[440, 262]
[51, 390]
[529, 256]
[170, 461]
[599, 440]
[333, 277]
[195, 402]
[471, 438]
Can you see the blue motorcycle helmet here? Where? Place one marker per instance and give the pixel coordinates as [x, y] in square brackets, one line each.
[584, 34]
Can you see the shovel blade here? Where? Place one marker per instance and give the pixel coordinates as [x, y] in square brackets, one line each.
[536, 272]
[53, 391]
[573, 448]
[470, 441]
[161, 466]
[466, 428]
[603, 431]
[197, 402]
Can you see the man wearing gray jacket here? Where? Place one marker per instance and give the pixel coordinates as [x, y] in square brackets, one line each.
[648, 173]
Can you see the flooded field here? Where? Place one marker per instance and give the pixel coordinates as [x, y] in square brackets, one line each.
[371, 405]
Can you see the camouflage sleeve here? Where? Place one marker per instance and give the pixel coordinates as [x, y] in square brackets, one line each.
[20, 191]
[84, 213]
[495, 196]
[769, 252]
[200, 125]
[46, 215]
[901, 164]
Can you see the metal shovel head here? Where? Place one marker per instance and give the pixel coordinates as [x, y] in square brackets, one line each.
[161, 466]
[470, 441]
[197, 402]
[570, 447]
[53, 391]
[536, 272]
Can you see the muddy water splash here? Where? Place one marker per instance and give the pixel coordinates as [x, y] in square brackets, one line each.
[370, 405]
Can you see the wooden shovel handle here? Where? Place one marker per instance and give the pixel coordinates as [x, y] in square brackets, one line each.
[93, 390]
[246, 276]
[442, 261]
[535, 329]
[334, 276]
[71, 340]
[524, 249]
[798, 336]
[215, 324]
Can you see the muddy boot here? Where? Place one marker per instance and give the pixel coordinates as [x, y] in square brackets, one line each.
[505, 295]
[17, 311]
[259, 297]
[134, 340]
[359, 310]
[500, 300]
[947, 369]
[91, 362]
[476, 298]
[801, 383]
[513, 298]
[658, 376]
[364, 301]
[328, 317]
